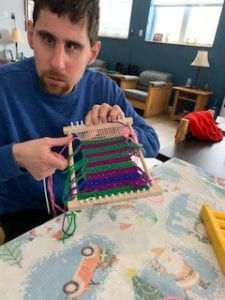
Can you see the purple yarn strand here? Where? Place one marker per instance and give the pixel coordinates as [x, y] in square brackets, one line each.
[111, 173]
[90, 155]
[103, 144]
[135, 183]
[108, 161]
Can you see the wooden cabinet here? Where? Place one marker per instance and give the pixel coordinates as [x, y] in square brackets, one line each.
[187, 100]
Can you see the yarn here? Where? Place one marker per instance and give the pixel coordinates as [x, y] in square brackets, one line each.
[104, 167]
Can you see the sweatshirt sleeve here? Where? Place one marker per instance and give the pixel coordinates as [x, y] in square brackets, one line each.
[8, 166]
[146, 134]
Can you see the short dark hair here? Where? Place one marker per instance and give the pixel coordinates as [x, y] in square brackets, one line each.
[78, 11]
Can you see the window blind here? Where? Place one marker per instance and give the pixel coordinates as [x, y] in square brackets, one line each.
[115, 18]
[186, 2]
[186, 22]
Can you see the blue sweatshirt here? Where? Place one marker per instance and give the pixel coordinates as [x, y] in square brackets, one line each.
[27, 112]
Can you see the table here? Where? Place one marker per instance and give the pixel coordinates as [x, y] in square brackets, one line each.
[207, 155]
[153, 248]
[186, 97]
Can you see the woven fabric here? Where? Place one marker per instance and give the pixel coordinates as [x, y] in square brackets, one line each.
[105, 167]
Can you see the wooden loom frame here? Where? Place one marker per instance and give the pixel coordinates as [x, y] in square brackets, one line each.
[88, 132]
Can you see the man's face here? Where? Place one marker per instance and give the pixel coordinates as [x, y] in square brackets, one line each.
[62, 51]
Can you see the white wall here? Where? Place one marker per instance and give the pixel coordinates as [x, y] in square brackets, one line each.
[6, 24]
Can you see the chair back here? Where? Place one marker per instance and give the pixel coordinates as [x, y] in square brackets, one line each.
[98, 65]
[148, 76]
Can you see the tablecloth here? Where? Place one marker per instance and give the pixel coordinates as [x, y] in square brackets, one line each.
[153, 248]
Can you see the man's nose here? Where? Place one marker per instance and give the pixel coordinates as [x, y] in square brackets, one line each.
[57, 60]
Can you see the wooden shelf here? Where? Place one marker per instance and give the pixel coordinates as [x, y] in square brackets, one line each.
[188, 100]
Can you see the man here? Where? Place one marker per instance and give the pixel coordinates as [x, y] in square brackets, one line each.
[41, 95]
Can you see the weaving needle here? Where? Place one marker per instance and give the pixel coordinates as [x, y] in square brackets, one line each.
[71, 165]
[46, 196]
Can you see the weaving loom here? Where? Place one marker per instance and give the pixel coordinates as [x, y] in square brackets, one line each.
[103, 167]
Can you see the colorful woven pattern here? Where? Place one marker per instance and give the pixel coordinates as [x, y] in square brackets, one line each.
[104, 167]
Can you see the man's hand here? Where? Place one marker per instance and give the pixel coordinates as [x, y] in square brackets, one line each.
[37, 157]
[104, 113]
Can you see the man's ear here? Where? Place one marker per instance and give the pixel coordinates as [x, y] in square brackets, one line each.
[94, 52]
[30, 31]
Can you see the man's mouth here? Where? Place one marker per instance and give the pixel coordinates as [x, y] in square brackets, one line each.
[54, 80]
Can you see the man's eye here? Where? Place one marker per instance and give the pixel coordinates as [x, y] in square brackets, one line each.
[48, 39]
[72, 46]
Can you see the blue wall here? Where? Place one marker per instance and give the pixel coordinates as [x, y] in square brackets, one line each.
[174, 59]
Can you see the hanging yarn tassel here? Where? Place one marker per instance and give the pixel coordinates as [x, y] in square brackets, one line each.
[69, 225]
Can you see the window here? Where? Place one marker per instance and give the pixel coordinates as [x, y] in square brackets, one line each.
[28, 11]
[115, 18]
[188, 22]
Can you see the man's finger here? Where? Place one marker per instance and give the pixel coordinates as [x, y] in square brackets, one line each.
[57, 160]
[59, 141]
[116, 114]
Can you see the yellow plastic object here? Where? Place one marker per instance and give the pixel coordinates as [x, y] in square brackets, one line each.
[215, 225]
